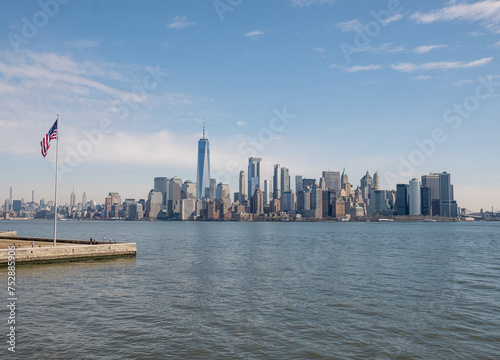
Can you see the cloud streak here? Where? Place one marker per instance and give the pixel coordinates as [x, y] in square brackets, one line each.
[255, 34]
[487, 11]
[304, 3]
[180, 23]
[440, 65]
[426, 48]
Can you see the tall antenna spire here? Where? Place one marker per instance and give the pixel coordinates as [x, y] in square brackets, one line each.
[203, 129]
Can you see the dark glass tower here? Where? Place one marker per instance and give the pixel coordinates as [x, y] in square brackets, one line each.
[203, 168]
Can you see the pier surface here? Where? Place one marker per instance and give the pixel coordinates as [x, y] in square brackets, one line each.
[43, 250]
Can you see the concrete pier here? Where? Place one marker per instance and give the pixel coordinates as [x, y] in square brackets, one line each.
[35, 250]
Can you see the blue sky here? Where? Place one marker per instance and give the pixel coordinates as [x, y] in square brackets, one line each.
[400, 87]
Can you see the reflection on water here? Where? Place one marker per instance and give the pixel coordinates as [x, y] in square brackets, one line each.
[201, 290]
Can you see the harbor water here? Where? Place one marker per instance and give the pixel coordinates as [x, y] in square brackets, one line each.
[242, 290]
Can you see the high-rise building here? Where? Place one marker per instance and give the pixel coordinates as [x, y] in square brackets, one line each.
[298, 184]
[366, 185]
[376, 181]
[174, 180]
[112, 204]
[447, 206]
[254, 175]
[332, 181]
[72, 200]
[212, 189]
[174, 200]
[426, 200]
[288, 201]
[222, 191]
[304, 200]
[317, 201]
[308, 182]
[277, 182]
[258, 203]
[188, 209]
[285, 180]
[154, 204]
[84, 200]
[402, 199]
[344, 180]
[203, 168]
[10, 200]
[188, 190]
[161, 185]
[415, 198]
[322, 184]
[432, 181]
[267, 191]
[17, 205]
[378, 202]
[242, 193]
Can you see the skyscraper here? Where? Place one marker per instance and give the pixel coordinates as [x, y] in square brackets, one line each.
[285, 180]
[154, 204]
[188, 190]
[72, 200]
[376, 181]
[161, 185]
[298, 184]
[254, 175]
[332, 180]
[10, 200]
[241, 196]
[344, 180]
[415, 198]
[203, 168]
[267, 191]
[432, 181]
[277, 182]
[402, 199]
[425, 193]
[258, 203]
[222, 191]
[84, 201]
[447, 206]
[366, 185]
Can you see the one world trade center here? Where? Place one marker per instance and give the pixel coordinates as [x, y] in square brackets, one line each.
[203, 168]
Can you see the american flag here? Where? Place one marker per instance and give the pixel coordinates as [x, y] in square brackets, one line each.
[52, 134]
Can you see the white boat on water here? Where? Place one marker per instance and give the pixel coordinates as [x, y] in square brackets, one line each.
[430, 220]
[386, 220]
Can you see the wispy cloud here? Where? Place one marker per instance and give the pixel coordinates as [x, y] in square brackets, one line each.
[393, 18]
[255, 34]
[319, 49]
[426, 48]
[302, 3]
[487, 11]
[241, 123]
[463, 82]
[440, 65]
[495, 45]
[180, 22]
[82, 43]
[422, 77]
[362, 68]
[352, 25]
[356, 68]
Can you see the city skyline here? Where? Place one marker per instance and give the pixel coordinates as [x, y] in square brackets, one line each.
[311, 85]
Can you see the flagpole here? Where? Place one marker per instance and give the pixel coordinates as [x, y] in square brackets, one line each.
[55, 197]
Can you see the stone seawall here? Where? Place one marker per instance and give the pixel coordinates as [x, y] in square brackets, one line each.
[42, 250]
[8, 234]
